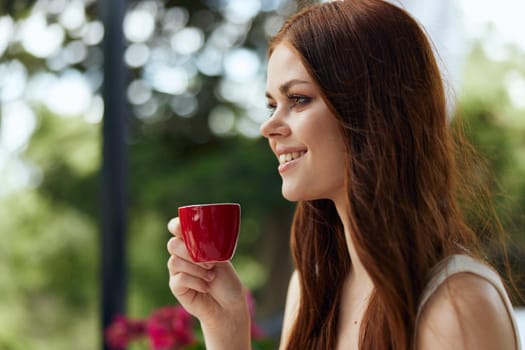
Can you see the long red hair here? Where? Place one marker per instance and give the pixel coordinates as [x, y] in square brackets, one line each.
[376, 70]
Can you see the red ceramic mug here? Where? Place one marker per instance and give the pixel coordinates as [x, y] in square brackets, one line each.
[210, 231]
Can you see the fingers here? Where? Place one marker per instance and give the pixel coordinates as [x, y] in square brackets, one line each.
[177, 265]
[176, 247]
[174, 227]
[187, 277]
[182, 283]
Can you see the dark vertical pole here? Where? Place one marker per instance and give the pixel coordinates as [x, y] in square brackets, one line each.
[113, 270]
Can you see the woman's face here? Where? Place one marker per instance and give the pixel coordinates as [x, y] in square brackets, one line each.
[302, 131]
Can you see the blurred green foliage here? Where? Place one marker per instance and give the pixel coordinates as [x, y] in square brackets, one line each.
[496, 128]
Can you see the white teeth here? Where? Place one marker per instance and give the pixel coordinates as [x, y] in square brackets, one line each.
[287, 157]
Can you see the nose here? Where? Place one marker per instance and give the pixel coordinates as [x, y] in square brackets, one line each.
[274, 126]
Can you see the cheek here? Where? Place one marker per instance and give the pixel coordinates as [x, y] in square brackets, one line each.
[327, 135]
[334, 160]
[333, 150]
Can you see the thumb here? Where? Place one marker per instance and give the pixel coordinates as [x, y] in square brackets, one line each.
[174, 227]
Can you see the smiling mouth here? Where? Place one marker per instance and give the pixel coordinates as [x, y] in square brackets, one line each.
[288, 157]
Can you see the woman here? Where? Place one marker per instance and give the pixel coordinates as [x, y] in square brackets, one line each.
[383, 257]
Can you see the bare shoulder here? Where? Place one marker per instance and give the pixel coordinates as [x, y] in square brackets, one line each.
[466, 312]
[291, 308]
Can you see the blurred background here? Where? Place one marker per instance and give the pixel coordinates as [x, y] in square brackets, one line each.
[195, 81]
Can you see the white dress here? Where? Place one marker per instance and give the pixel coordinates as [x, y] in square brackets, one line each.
[464, 263]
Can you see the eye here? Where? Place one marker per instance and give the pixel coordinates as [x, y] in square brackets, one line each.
[298, 99]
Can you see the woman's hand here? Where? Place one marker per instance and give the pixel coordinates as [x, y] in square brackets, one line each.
[212, 292]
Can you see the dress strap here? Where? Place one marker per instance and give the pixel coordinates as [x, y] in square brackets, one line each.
[463, 263]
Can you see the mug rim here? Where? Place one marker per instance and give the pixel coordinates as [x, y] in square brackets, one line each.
[209, 205]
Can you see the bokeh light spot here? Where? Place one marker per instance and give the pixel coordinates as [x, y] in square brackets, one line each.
[136, 55]
[240, 11]
[39, 39]
[184, 105]
[175, 19]
[209, 62]
[515, 85]
[139, 92]
[241, 64]
[73, 16]
[221, 120]
[18, 124]
[6, 32]
[75, 52]
[94, 33]
[187, 40]
[13, 78]
[70, 95]
[167, 79]
[139, 25]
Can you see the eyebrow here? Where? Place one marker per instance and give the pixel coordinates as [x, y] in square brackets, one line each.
[284, 88]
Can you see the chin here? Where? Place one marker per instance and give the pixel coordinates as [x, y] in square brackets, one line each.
[295, 195]
[291, 195]
[298, 194]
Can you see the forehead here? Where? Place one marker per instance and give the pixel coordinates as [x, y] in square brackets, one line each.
[284, 65]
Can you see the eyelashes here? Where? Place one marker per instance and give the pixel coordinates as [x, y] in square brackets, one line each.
[298, 99]
[293, 101]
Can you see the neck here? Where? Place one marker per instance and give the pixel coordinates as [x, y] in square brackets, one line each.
[359, 277]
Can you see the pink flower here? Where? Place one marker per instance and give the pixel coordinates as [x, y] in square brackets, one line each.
[123, 330]
[169, 328]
